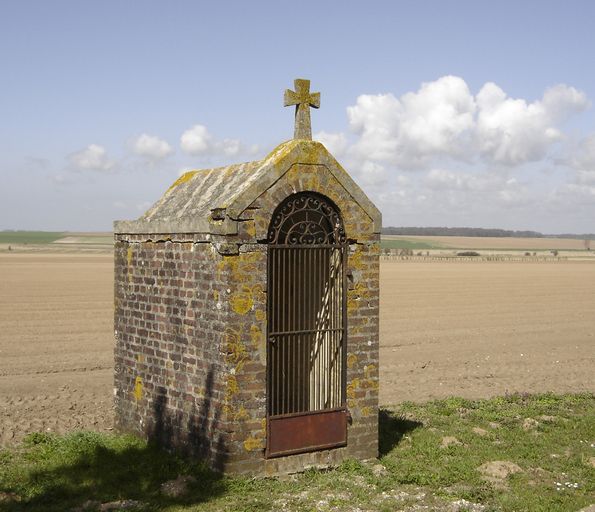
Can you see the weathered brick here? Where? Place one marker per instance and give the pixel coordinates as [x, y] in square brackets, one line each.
[191, 324]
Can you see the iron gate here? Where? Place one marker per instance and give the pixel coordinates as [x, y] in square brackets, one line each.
[306, 354]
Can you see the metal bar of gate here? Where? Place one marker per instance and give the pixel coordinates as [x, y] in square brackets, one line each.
[307, 322]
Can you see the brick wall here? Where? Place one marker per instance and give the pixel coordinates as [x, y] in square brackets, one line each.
[190, 322]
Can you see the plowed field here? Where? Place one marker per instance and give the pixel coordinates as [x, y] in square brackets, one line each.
[467, 329]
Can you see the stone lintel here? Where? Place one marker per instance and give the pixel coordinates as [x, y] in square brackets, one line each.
[198, 226]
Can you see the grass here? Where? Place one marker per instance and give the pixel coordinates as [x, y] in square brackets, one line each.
[554, 453]
[403, 243]
[29, 237]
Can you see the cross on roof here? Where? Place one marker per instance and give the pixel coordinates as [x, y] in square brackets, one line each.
[303, 100]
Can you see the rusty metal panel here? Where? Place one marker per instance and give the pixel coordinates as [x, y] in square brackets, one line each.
[299, 433]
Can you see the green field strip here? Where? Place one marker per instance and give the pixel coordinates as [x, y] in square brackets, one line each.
[30, 237]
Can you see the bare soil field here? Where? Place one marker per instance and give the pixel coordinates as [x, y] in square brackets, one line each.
[484, 329]
[487, 242]
[56, 324]
[473, 330]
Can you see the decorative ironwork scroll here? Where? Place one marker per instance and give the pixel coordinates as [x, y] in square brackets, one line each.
[306, 218]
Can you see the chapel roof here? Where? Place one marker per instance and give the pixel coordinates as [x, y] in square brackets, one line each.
[187, 206]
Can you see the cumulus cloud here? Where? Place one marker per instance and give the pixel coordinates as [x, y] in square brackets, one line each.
[198, 141]
[336, 143]
[93, 158]
[443, 119]
[583, 157]
[436, 120]
[151, 147]
[372, 174]
[512, 131]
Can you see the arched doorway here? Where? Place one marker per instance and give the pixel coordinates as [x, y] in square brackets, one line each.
[307, 327]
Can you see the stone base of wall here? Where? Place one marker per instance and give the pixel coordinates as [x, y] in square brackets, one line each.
[322, 459]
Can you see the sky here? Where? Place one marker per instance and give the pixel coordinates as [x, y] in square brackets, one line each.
[446, 113]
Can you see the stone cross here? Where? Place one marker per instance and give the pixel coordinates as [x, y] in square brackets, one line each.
[303, 100]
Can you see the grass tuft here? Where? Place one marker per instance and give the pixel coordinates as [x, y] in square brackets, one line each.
[430, 455]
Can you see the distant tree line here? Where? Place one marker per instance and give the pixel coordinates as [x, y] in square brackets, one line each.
[443, 231]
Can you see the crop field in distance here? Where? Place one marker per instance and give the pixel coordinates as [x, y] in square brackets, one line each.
[484, 243]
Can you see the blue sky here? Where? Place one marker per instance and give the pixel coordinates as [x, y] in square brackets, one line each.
[446, 113]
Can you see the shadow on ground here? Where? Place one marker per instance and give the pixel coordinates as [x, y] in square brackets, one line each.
[57, 473]
[102, 474]
[391, 429]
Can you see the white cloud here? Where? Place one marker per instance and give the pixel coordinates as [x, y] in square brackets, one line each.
[583, 157]
[372, 173]
[444, 120]
[436, 120]
[562, 101]
[93, 157]
[585, 177]
[151, 147]
[443, 179]
[336, 143]
[577, 198]
[512, 131]
[198, 141]
[230, 147]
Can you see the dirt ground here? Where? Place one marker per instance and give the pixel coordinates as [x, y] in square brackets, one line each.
[483, 329]
[56, 324]
[472, 330]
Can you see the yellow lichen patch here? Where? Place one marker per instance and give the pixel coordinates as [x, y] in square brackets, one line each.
[241, 414]
[367, 411]
[350, 228]
[258, 294]
[251, 229]
[355, 260]
[370, 371]
[235, 351]
[353, 385]
[256, 335]
[352, 303]
[369, 384]
[232, 387]
[311, 152]
[351, 360]
[363, 291]
[282, 150]
[241, 302]
[260, 315]
[215, 295]
[253, 443]
[240, 268]
[187, 176]
[140, 358]
[138, 389]
[305, 175]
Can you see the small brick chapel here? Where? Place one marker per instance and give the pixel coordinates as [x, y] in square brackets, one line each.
[246, 312]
